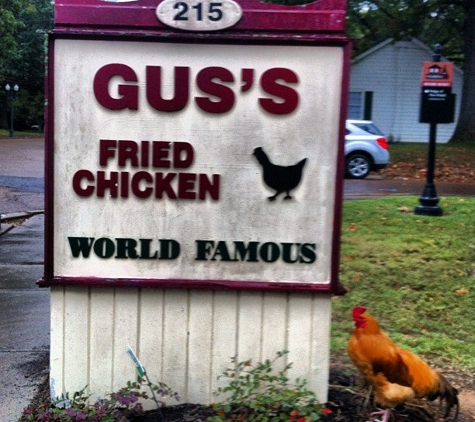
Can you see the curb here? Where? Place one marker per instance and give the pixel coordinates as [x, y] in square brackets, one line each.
[5, 226]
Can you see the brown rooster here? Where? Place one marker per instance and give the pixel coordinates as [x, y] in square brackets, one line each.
[279, 178]
[396, 375]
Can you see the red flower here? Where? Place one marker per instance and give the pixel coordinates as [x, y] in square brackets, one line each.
[326, 411]
[301, 420]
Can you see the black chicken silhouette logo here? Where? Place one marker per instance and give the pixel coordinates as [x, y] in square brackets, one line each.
[279, 178]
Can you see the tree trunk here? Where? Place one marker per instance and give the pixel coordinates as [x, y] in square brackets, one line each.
[465, 130]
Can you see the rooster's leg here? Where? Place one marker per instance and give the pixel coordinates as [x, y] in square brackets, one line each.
[287, 196]
[386, 413]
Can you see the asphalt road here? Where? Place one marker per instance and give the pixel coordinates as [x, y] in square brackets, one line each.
[21, 175]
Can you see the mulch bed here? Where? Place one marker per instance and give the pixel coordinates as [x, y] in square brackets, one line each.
[462, 173]
[349, 399]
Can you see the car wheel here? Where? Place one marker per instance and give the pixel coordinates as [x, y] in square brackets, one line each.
[358, 166]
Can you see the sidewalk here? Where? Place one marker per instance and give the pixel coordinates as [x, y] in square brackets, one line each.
[24, 324]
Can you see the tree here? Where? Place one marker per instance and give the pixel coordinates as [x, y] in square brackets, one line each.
[9, 25]
[465, 129]
[23, 25]
[450, 23]
[28, 66]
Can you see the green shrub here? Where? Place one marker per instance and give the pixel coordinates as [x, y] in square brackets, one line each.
[259, 393]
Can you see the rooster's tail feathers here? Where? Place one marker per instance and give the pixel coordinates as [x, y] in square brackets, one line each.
[446, 392]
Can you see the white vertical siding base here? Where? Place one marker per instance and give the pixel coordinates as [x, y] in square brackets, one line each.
[184, 338]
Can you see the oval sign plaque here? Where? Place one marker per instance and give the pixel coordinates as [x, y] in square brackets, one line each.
[199, 15]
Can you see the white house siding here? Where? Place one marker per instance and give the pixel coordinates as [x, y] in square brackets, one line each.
[393, 71]
[185, 338]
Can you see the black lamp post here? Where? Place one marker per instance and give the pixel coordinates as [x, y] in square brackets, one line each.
[11, 96]
[428, 200]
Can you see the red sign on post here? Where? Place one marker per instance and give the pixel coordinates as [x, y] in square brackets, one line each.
[438, 74]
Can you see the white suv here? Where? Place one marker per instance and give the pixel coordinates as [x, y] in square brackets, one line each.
[366, 149]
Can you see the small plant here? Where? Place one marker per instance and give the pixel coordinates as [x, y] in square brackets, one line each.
[118, 407]
[259, 393]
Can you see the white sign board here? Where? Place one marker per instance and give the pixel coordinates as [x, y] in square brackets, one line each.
[160, 168]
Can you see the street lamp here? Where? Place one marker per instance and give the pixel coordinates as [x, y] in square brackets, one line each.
[11, 96]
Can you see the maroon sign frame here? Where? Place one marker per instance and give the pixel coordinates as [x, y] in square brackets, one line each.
[321, 23]
[319, 19]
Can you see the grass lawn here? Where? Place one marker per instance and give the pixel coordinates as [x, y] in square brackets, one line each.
[22, 134]
[453, 152]
[415, 274]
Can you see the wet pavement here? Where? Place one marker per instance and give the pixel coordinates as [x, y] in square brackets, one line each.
[24, 320]
[25, 308]
[375, 186]
[24, 316]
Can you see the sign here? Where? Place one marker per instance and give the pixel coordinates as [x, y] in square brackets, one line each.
[192, 15]
[195, 165]
[188, 151]
[138, 365]
[437, 74]
[437, 100]
[186, 168]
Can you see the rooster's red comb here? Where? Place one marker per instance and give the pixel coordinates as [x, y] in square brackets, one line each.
[358, 311]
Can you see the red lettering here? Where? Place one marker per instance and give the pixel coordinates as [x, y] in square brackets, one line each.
[160, 150]
[144, 146]
[215, 82]
[154, 89]
[106, 151]
[289, 96]
[186, 183]
[77, 179]
[163, 185]
[128, 93]
[225, 95]
[183, 154]
[128, 150]
[136, 179]
[104, 184]
[208, 186]
[124, 184]
[143, 184]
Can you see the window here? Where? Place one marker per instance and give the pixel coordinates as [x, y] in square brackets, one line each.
[355, 105]
[360, 105]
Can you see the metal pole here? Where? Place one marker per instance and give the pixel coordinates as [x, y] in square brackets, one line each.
[428, 200]
[11, 96]
[12, 114]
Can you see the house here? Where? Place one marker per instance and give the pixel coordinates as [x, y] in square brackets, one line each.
[386, 88]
